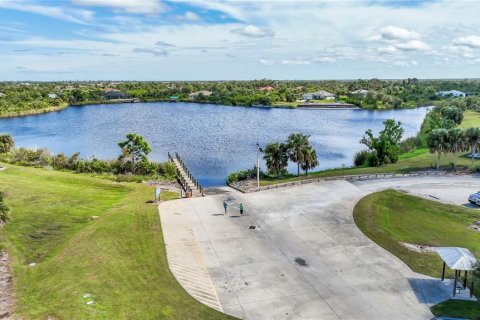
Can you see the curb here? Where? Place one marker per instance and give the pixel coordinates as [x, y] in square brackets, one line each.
[348, 178]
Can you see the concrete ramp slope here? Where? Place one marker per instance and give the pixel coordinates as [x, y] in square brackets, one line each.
[183, 253]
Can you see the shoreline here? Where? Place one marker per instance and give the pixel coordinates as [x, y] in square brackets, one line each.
[95, 103]
[34, 111]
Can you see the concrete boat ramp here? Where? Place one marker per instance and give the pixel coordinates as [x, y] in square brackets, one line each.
[297, 253]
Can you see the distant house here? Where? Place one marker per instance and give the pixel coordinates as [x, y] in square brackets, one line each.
[452, 93]
[265, 88]
[52, 95]
[2, 94]
[205, 93]
[319, 95]
[360, 93]
[173, 98]
[111, 94]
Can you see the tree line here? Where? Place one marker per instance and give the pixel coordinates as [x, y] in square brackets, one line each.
[132, 164]
[24, 98]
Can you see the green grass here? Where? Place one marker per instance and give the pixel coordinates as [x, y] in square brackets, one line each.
[390, 217]
[470, 119]
[119, 258]
[450, 308]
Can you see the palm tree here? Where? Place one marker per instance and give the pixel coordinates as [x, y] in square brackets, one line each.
[276, 157]
[437, 143]
[310, 159]
[457, 142]
[473, 138]
[296, 142]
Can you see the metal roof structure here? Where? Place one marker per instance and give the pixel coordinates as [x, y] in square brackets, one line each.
[457, 258]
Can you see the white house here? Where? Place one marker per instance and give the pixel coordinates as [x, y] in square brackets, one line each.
[451, 93]
[205, 93]
[360, 92]
[52, 95]
[319, 95]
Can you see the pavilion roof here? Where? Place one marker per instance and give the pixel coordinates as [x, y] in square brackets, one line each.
[457, 258]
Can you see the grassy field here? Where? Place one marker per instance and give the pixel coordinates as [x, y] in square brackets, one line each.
[117, 260]
[470, 119]
[390, 217]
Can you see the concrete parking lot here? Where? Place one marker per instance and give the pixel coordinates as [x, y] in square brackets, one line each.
[297, 253]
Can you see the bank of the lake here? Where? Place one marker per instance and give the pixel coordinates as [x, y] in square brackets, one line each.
[29, 112]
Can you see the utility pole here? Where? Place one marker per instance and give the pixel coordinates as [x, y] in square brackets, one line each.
[258, 166]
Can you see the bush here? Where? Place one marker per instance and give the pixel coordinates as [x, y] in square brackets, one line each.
[360, 158]
[4, 210]
[372, 160]
[26, 157]
[242, 175]
[6, 143]
[167, 169]
[410, 144]
[475, 168]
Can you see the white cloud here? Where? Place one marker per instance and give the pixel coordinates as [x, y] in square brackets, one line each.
[191, 16]
[298, 61]
[130, 6]
[398, 33]
[155, 52]
[414, 45]
[165, 44]
[267, 62]
[390, 32]
[295, 62]
[325, 59]
[468, 41]
[401, 64]
[388, 50]
[60, 13]
[252, 31]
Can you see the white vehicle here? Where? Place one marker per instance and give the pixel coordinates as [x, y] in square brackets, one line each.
[474, 198]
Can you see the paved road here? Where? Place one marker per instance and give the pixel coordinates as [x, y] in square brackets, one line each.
[306, 259]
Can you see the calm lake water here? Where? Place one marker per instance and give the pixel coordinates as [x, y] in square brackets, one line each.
[213, 140]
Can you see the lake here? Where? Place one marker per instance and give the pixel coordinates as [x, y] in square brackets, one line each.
[213, 140]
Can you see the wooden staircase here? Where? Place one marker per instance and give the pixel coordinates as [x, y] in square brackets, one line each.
[191, 186]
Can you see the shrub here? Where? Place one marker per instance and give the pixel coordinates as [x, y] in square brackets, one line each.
[4, 210]
[242, 175]
[475, 167]
[167, 169]
[410, 144]
[6, 143]
[360, 158]
[372, 160]
[40, 157]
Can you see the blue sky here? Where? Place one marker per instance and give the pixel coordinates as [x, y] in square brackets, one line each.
[250, 39]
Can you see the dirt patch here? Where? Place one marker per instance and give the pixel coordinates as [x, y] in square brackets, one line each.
[476, 226]
[418, 247]
[7, 300]
[166, 185]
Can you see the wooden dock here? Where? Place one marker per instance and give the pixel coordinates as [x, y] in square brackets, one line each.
[189, 184]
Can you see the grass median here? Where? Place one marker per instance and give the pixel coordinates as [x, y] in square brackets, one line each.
[97, 246]
[391, 217]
